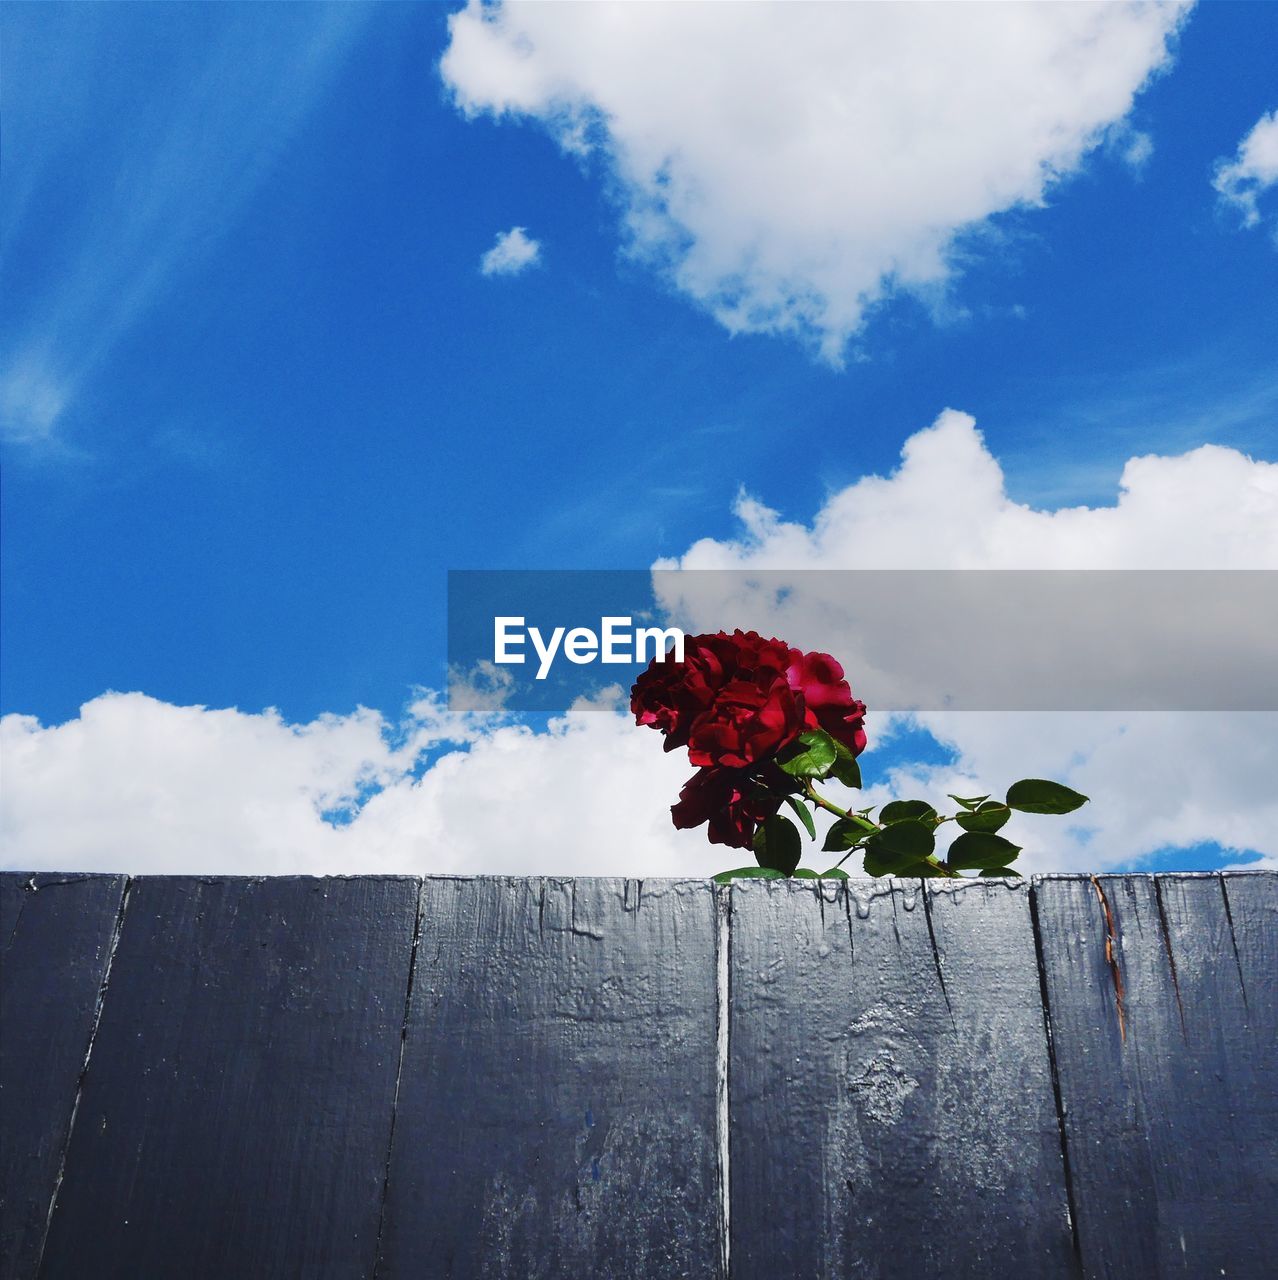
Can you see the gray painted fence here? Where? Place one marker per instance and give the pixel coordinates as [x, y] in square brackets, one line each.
[380, 1076]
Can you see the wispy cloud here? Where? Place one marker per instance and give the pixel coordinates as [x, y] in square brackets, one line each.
[1252, 171]
[1133, 147]
[114, 193]
[1084, 424]
[512, 252]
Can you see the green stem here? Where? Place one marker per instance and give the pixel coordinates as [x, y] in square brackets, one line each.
[821, 802]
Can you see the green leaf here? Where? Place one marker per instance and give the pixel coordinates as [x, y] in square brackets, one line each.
[1037, 795]
[777, 844]
[899, 810]
[812, 755]
[805, 815]
[898, 848]
[988, 817]
[846, 768]
[846, 832]
[981, 849]
[1001, 871]
[972, 802]
[883, 862]
[834, 873]
[750, 873]
[909, 838]
[804, 873]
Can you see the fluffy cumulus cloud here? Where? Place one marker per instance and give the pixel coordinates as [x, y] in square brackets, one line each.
[789, 166]
[134, 783]
[512, 252]
[1157, 779]
[1252, 171]
[947, 507]
[141, 783]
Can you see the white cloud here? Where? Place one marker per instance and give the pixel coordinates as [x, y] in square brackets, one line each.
[1156, 778]
[137, 784]
[947, 507]
[1252, 171]
[788, 166]
[1134, 147]
[512, 252]
[140, 785]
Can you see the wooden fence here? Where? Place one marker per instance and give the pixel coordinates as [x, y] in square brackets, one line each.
[518, 1078]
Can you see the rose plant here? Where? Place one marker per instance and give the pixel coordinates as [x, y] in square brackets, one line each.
[764, 723]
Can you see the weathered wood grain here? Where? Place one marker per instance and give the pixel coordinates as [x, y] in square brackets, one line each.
[235, 1115]
[1251, 914]
[557, 1105]
[895, 1105]
[892, 1111]
[1163, 1017]
[55, 945]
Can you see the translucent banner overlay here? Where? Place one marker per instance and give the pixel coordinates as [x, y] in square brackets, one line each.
[924, 640]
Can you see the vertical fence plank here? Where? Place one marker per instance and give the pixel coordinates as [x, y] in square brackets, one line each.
[55, 944]
[892, 1111]
[236, 1113]
[1251, 913]
[1168, 1070]
[890, 1084]
[557, 1104]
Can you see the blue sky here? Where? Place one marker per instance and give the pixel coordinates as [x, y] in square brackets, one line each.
[259, 396]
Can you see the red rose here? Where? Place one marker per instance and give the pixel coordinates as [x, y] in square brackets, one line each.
[827, 698]
[729, 800]
[670, 696]
[736, 700]
[752, 717]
